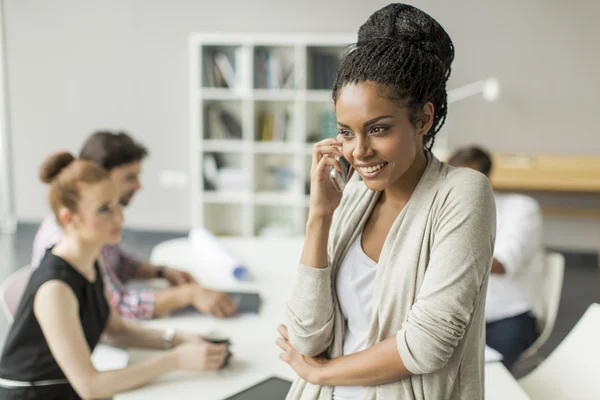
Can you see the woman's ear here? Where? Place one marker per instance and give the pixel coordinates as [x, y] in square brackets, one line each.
[426, 120]
[65, 216]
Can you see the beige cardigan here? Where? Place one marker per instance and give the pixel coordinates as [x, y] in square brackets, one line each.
[429, 290]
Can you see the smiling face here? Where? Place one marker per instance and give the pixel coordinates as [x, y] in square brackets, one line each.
[127, 180]
[379, 139]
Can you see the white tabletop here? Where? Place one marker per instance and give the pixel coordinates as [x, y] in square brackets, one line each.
[500, 384]
[272, 263]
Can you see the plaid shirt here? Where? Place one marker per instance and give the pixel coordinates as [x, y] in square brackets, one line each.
[119, 268]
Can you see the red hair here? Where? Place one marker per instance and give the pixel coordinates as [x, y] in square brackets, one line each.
[64, 173]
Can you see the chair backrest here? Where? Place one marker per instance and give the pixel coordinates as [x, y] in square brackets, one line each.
[545, 304]
[11, 290]
[571, 370]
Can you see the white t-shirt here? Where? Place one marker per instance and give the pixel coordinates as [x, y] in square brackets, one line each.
[354, 286]
[519, 247]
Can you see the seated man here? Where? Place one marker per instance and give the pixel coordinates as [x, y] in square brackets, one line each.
[122, 157]
[516, 266]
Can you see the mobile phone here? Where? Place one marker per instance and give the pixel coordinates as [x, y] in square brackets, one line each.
[340, 179]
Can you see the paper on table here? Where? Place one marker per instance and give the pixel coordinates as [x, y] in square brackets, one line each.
[492, 355]
[107, 357]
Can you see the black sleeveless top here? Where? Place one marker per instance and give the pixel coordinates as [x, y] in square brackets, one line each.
[26, 356]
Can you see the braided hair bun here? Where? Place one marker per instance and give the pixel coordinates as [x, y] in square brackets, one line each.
[408, 55]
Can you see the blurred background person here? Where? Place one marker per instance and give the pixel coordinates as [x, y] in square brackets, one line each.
[122, 157]
[64, 312]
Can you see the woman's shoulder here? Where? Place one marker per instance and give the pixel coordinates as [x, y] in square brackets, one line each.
[456, 176]
[464, 189]
[54, 267]
[52, 263]
[464, 182]
[55, 290]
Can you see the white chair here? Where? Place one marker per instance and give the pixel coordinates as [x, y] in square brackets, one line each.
[11, 290]
[545, 304]
[572, 370]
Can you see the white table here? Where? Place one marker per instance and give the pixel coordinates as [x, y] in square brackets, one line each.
[272, 264]
[500, 384]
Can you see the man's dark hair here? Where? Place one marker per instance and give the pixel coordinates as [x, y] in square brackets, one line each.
[467, 155]
[408, 55]
[112, 149]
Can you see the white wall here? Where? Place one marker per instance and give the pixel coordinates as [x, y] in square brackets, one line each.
[78, 66]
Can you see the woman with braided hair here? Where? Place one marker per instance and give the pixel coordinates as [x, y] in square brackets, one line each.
[388, 301]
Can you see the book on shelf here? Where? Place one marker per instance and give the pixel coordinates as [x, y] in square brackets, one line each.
[323, 66]
[221, 124]
[220, 69]
[219, 176]
[210, 169]
[273, 69]
[275, 126]
[266, 127]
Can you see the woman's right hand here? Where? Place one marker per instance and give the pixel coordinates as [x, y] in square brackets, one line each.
[324, 197]
[201, 356]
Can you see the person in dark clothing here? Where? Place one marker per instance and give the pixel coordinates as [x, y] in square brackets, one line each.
[64, 311]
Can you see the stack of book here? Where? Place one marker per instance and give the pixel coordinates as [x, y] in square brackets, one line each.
[221, 124]
[220, 69]
[220, 176]
[272, 69]
[274, 126]
[323, 66]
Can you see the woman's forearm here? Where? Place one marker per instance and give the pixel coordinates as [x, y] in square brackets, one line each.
[376, 365]
[314, 253]
[145, 270]
[109, 383]
[138, 336]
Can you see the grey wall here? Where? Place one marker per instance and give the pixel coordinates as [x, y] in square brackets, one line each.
[77, 66]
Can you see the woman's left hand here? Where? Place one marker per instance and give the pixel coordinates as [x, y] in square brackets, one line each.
[307, 368]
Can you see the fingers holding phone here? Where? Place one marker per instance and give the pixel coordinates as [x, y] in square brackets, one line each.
[324, 195]
[325, 148]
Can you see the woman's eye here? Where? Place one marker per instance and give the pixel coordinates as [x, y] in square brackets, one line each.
[345, 133]
[378, 129]
[104, 209]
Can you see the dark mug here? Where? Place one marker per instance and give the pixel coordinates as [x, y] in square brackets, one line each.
[220, 340]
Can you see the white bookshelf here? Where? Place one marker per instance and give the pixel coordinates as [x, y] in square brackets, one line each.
[260, 182]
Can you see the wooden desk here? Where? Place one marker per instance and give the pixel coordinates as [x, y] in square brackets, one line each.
[549, 173]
